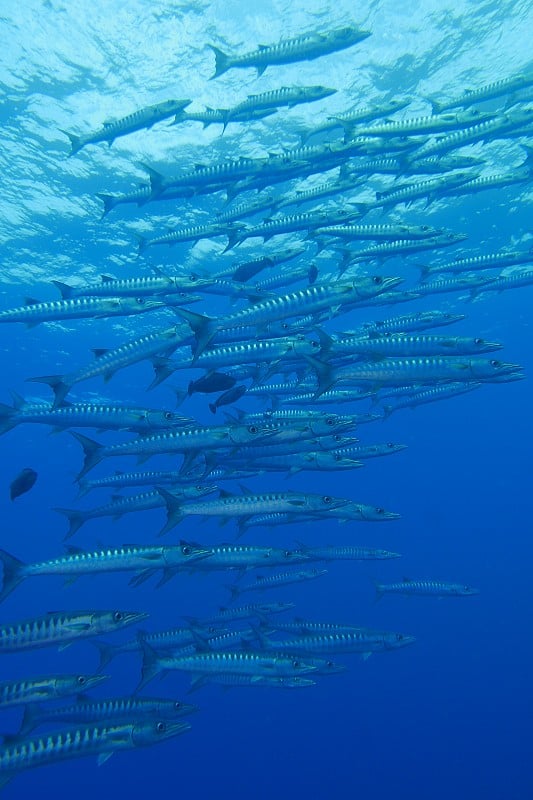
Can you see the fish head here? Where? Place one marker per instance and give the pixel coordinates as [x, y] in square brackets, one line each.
[153, 731]
[374, 285]
[325, 503]
[382, 555]
[115, 620]
[331, 460]
[326, 667]
[294, 556]
[494, 370]
[348, 35]
[464, 590]
[247, 434]
[393, 641]
[189, 551]
[173, 709]
[330, 425]
[138, 305]
[194, 491]
[294, 682]
[482, 346]
[294, 665]
[166, 419]
[80, 683]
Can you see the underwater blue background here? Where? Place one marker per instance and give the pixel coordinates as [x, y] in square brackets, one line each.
[449, 716]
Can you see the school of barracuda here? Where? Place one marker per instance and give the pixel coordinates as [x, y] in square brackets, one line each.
[292, 342]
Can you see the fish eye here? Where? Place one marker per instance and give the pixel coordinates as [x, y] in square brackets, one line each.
[118, 616]
[168, 415]
[380, 510]
[338, 437]
[252, 429]
[199, 488]
[81, 680]
[495, 363]
[399, 637]
[478, 341]
[141, 301]
[326, 499]
[329, 663]
[337, 457]
[160, 727]
[177, 705]
[330, 421]
[193, 278]
[314, 343]
[287, 553]
[296, 664]
[377, 279]
[186, 550]
[390, 444]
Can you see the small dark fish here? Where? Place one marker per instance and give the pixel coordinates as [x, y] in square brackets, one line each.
[212, 382]
[22, 483]
[227, 398]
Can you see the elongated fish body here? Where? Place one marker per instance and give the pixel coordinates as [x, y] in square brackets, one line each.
[192, 234]
[61, 628]
[114, 709]
[392, 232]
[432, 395]
[333, 396]
[499, 88]
[416, 344]
[401, 371]
[247, 209]
[436, 123]
[242, 557]
[349, 119]
[250, 504]
[143, 118]
[312, 299]
[486, 261]
[181, 441]
[507, 123]
[119, 480]
[307, 220]
[429, 189]
[361, 641]
[428, 588]
[289, 51]
[45, 687]
[107, 362]
[249, 269]
[407, 323]
[304, 273]
[402, 247]
[219, 116]
[370, 450]
[285, 96]
[470, 281]
[262, 583]
[102, 740]
[300, 462]
[497, 181]
[260, 611]
[332, 442]
[146, 501]
[130, 287]
[88, 415]
[513, 280]
[347, 553]
[272, 681]
[219, 174]
[79, 308]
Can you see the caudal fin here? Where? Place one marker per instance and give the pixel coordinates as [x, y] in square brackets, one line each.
[7, 418]
[174, 512]
[76, 142]
[91, 450]
[56, 383]
[151, 665]
[76, 519]
[13, 573]
[109, 201]
[222, 63]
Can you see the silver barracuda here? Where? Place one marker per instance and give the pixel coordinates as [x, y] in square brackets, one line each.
[108, 362]
[425, 587]
[193, 234]
[346, 553]
[119, 480]
[219, 116]
[99, 740]
[430, 189]
[245, 557]
[407, 344]
[293, 463]
[370, 450]
[229, 505]
[88, 415]
[249, 269]
[485, 261]
[363, 641]
[349, 119]
[305, 47]
[231, 679]
[407, 323]
[143, 118]
[505, 86]
[285, 96]
[127, 505]
[310, 300]
[45, 687]
[389, 231]
[261, 611]
[63, 627]
[189, 441]
[436, 123]
[132, 287]
[110, 559]
[401, 247]
[115, 709]
[431, 395]
[263, 583]
[36, 312]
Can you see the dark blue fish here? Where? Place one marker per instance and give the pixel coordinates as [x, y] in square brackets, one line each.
[22, 483]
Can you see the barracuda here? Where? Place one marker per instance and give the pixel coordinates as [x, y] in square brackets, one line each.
[289, 51]
[230, 679]
[401, 371]
[299, 462]
[330, 442]
[436, 123]
[211, 231]
[116, 709]
[102, 740]
[418, 321]
[46, 687]
[244, 557]
[346, 553]
[405, 344]
[307, 220]
[370, 450]
[431, 588]
[111, 559]
[429, 189]
[127, 505]
[300, 196]
[131, 287]
[218, 116]
[88, 415]
[513, 280]
[108, 362]
[349, 119]
[309, 300]
[506, 86]
[362, 641]
[401, 247]
[431, 395]
[471, 282]
[188, 441]
[249, 504]
[247, 209]
[486, 261]
[143, 118]
[260, 611]
[262, 583]
[285, 96]
[78, 308]
[62, 628]
[392, 232]
[160, 478]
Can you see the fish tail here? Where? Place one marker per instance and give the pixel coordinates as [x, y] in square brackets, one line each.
[76, 519]
[324, 375]
[222, 62]
[379, 591]
[174, 512]
[13, 573]
[387, 411]
[7, 418]
[76, 142]
[91, 450]
[106, 651]
[163, 367]
[142, 243]
[213, 408]
[436, 107]
[109, 202]
[203, 328]
[234, 591]
[30, 720]
[56, 383]
[150, 666]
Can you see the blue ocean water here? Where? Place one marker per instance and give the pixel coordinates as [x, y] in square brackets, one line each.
[448, 716]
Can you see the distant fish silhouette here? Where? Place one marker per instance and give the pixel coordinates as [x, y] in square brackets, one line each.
[22, 483]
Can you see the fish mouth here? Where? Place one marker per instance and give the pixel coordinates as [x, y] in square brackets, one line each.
[174, 728]
[489, 346]
[132, 617]
[94, 680]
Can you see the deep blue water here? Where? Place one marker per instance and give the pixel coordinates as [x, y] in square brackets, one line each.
[449, 716]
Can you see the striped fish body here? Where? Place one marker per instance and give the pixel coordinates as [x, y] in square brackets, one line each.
[78, 308]
[408, 323]
[232, 679]
[436, 123]
[362, 641]
[242, 557]
[391, 232]
[481, 262]
[46, 687]
[430, 588]
[347, 553]
[129, 287]
[433, 394]
[100, 740]
[246, 662]
[279, 579]
[405, 344]
[249, 611]
[488, 92]
[371, 450]
[60, 628]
